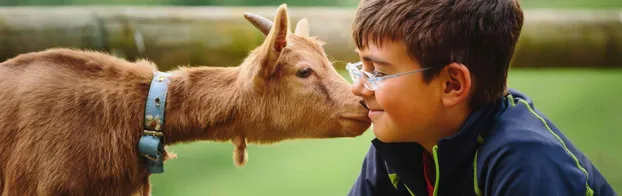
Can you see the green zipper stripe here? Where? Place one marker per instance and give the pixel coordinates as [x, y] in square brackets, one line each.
[511, 100]
[435, 149]
[588, 191]
[394, 180]
[411, 193]
[475, 184]
[480, 140]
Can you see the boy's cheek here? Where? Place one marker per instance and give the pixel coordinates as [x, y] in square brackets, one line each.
[405, 122]
[386, 130]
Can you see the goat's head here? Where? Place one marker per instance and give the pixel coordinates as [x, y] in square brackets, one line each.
[302, 95]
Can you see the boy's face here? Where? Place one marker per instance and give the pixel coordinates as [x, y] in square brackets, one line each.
[402, 109]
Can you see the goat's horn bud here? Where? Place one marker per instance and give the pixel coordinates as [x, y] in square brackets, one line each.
[263, 24]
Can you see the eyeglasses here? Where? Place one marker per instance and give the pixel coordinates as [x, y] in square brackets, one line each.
[371, 81]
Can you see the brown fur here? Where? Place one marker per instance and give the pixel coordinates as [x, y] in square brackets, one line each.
[72, 119]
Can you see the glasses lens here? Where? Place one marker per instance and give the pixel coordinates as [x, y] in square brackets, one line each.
[353, 75]
[371, 85]
[354, 72]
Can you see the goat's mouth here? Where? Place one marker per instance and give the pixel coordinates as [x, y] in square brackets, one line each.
[360, 119]
[354, 125]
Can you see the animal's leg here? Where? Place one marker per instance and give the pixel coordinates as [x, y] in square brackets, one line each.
[1, 183]
[146, 186]
[240, 155]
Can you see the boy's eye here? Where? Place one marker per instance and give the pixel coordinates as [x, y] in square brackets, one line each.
[378, 74]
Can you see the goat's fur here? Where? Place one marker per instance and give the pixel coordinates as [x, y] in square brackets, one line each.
[72, 119]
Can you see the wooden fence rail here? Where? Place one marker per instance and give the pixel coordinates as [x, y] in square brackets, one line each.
[220, 36]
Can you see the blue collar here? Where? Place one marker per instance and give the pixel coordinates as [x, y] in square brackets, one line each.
[151, 144]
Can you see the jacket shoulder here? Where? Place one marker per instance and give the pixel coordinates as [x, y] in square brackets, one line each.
[526, 146]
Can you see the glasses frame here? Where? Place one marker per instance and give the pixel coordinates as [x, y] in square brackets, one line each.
[372, 82]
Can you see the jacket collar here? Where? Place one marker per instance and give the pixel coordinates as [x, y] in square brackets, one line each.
[405, 158]
[460, 147]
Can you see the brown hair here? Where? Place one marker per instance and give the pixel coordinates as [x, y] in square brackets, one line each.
[481, 34]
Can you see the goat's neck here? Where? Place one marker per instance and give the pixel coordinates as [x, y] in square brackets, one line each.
[201, 105]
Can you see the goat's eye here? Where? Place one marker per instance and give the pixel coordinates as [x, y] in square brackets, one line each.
[304, 72]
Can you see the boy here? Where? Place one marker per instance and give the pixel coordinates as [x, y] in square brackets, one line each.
[433, 75]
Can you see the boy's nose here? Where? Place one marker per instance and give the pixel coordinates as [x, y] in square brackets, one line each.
[359, 89]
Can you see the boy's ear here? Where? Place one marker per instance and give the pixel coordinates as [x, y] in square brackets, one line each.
[272, 47]
[456, 85]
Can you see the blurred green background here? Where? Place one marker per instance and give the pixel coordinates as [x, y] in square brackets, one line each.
[583, 102]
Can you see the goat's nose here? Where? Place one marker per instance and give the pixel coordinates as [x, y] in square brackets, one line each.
[363, 103]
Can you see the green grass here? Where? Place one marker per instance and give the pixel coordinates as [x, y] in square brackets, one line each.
[584, 104]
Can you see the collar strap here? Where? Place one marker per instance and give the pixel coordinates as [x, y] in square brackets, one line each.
[151, 144]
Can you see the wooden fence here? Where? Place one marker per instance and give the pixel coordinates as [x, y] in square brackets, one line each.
[220, 36]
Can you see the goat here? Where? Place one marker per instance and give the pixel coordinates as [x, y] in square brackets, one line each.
[72, 118]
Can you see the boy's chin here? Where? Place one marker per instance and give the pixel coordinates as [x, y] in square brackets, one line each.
[385, 135]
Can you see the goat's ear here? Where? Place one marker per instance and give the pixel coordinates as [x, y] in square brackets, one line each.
[302, 28]
[277, 38]
[273, 45]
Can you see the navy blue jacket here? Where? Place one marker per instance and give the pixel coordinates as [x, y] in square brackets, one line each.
[505, 148]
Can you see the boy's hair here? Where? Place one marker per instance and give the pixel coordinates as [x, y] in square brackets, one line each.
[481, 34]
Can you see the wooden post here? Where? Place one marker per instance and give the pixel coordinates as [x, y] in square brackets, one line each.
[220, 36]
